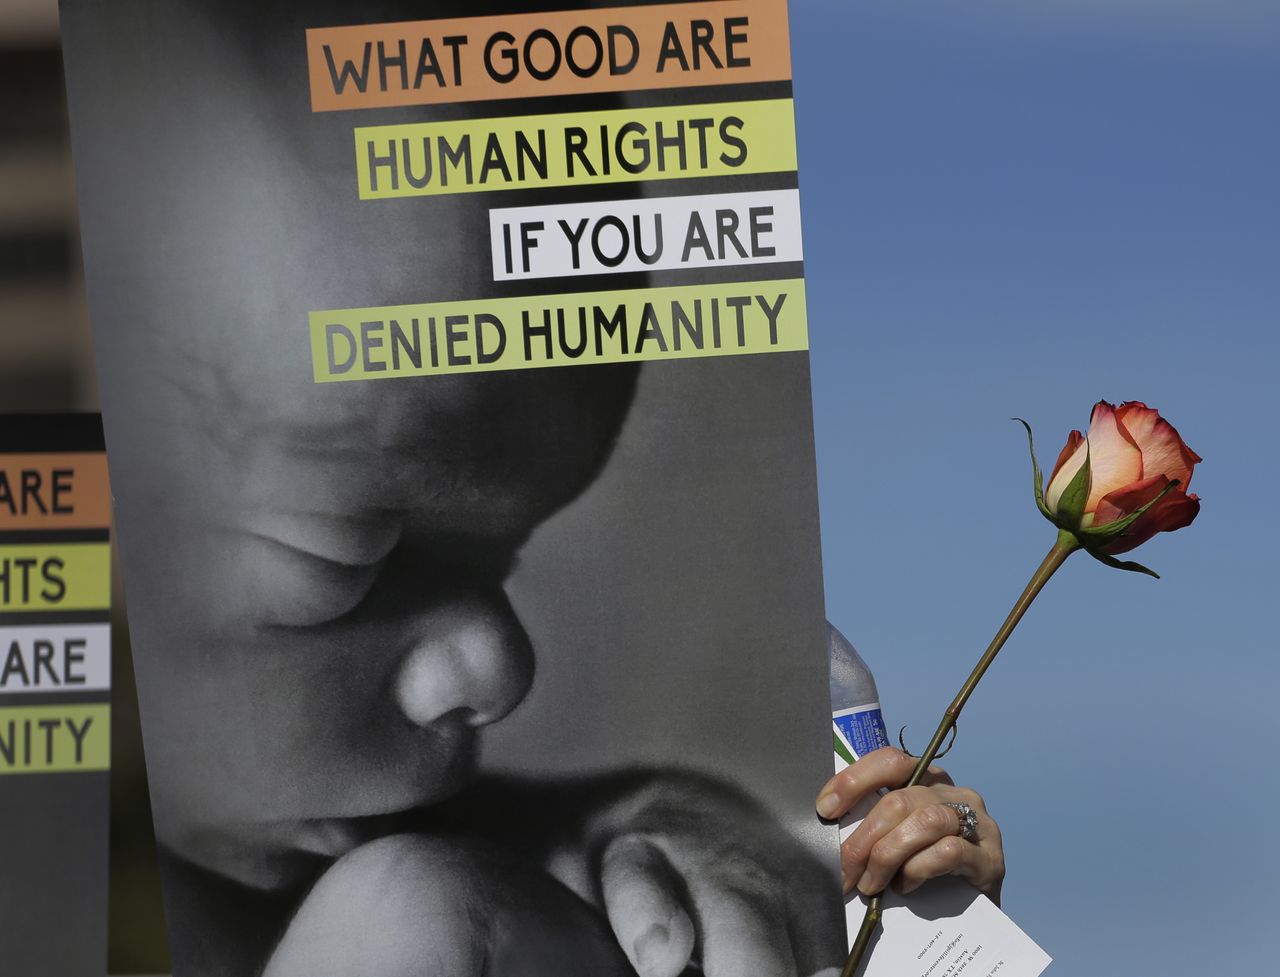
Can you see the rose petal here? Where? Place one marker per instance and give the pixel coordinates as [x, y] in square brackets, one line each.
[1114, 458]
[1118, 504]
[1073, 442]
[1174, 511]
[1065, 470]
[1163, 450]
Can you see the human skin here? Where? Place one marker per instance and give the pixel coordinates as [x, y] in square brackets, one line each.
[910, 835]
[324, 561]
[633, 869]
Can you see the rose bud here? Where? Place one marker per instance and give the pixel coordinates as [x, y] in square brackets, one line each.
[1115, 488]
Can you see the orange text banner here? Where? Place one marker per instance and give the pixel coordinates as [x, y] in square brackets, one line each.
[54, 491]
[471, 59]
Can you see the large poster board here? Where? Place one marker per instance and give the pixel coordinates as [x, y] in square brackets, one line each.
[454, 369]
[55, 693]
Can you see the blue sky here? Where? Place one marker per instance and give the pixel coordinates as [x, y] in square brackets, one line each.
[1020, 208]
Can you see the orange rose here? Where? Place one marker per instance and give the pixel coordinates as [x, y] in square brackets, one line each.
[1124, 482]
[1110, 491]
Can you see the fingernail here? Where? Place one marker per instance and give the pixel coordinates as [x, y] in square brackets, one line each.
[845, 882]
[865, 883]
[650, 943]
[829, 804]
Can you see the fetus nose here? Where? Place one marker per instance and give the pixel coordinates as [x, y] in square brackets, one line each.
[470, 656]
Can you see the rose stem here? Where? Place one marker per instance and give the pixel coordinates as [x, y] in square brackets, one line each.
[1065, 545]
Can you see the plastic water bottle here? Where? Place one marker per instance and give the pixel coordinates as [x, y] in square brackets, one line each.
[855, 703]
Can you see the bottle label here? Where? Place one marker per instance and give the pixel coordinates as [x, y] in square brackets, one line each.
[862, 727]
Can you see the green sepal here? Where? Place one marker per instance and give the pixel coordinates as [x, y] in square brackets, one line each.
[1036, 475]
[1070, 508]
[842, 751]
[1130, 565]
[1068, 540]
[1100, 534]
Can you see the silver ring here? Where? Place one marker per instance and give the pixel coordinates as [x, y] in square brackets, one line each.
[968, 819]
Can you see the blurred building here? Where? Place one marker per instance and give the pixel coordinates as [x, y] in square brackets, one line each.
[46, 361]
[46, 364]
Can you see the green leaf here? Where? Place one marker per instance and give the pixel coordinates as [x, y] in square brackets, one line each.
[1099, 534]
[1037, 475]
[1111, 561]
[842, 751]
[1070, 507]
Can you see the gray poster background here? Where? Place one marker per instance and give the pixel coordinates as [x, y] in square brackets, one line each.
[677, 604]
[53, 872]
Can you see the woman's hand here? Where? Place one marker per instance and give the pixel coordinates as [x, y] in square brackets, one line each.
[910, 836]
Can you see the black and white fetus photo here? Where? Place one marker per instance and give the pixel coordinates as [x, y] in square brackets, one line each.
[482, 673]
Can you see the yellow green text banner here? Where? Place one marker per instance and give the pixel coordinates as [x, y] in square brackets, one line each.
[55, 577]
[480, 335]
[55, 739]
[576, 148]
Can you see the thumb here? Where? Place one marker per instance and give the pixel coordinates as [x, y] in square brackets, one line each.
[642, 901]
